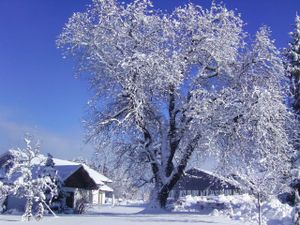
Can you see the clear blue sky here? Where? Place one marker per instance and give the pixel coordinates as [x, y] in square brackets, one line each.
[38, 91]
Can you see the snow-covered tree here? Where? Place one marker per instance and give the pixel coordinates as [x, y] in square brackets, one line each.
[40, 211]
[145, 69]
[49, 172]
[293, 71]
[26, 181]
[262, 126]
[168, 85]
[22, 166]
[53, 190]
[293, 65]
[59, 200]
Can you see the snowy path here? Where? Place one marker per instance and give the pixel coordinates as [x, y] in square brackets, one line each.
[122, 215]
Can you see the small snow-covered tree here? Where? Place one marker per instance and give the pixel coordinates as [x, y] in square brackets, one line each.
[52, 186]
[49, 172]
[26, 182]
[261, 132]
[22, 164]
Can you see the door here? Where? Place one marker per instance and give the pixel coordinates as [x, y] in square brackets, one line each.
[100, 197]
[70, 199]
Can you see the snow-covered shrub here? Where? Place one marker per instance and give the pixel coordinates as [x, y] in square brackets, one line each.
[4, 190]
[49, 173]
[238, 207]
[81, 206]
[26, 180]
[54, 193]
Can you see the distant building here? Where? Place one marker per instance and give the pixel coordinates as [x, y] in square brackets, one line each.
[80, 182]
[197, 182]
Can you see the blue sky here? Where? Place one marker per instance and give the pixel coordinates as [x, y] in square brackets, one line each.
[38, 91]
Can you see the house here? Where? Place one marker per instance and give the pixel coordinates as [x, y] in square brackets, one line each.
[99, 196]
[198, 182]
[80, 182]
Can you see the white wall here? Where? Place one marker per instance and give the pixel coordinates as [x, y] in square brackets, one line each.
[98, 197]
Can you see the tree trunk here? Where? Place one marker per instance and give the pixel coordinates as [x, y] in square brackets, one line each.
[297, 207]
[159, 197]
[160, 194]
[163, 191]
[163, 197]
[28, 211]
[259, 209]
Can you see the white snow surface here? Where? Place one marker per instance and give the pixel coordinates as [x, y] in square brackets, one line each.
[124, 215]
[237, 207]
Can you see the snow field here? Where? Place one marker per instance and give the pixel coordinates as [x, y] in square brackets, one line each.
[125, 215]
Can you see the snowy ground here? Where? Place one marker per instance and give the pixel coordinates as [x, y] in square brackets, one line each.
[238, 207]
[125, 215]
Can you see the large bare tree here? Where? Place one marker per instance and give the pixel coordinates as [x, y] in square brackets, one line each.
[163, 84]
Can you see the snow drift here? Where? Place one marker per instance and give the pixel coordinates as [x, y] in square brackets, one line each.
[238, 207]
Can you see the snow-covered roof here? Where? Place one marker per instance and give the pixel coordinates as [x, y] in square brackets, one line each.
[2, 173]
[65, 171]
[199, 179]
[96, 176]
[106, 188]
[66, 168]
[232, 182]
[214, 175]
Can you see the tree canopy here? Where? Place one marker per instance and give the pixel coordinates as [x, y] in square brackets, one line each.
[167, 85]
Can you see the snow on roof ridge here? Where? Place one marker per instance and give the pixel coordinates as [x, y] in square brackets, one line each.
[4, 154]
[106, 188]
[216, 175]
[95, 175]
[64, 162]
[206, 171]
[98, 177]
